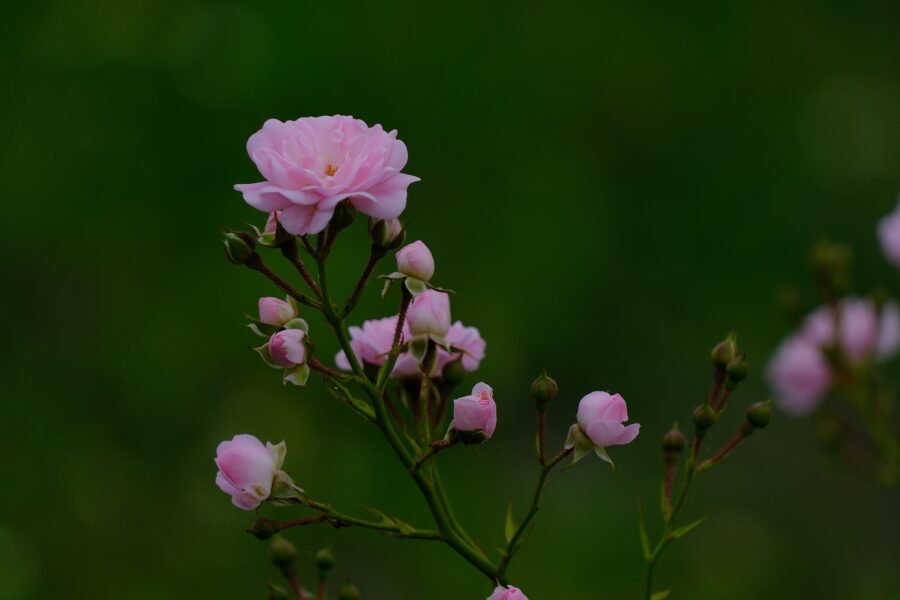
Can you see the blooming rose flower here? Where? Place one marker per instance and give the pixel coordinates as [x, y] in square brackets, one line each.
[429, 313]
[247, 469]
[415, 260]
[600, 416]
[313, 163]
[476, 412]
[864, 332]
[509, 593]
[799, 375]
[889, 236]
[287, 348]
[274, 311]
[371, 343]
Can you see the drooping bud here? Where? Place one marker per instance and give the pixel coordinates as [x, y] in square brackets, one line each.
[239, 247]
[276, 592]
[324, 561]
[344, 213]
[386, 234]
[282, 552]
[724, 352]
[454, 373]
[737, 370]
[348, 591]
[263, 528]
[704, 417]
[543, 390]
[759, 414]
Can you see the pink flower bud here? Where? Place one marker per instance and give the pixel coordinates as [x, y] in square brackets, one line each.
[509, 593]
[600, 416]
[429, 313]
[476, 412]
[247, 469]
[271, 224]
[287, 348]
[415, 260]
[889, 236]
[274, 311]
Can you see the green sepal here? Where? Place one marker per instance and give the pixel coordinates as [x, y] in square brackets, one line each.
[263, 352]
[297, 323]
[415, 286]
[285, 491]
[645, 539]
[580, 442]
[510, 527]
[601, 452]
[661, 595]
[418, 347]
[297, 375]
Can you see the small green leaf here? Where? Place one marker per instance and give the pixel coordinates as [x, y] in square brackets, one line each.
[511, 527]
[682, 531]
[661, 595]
[645, 539]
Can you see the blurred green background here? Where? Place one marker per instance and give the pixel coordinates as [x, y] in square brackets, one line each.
[610, 188]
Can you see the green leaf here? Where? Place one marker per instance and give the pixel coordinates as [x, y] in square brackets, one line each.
[661, 595]
[682, 531]
[645, 539]
[511, 527]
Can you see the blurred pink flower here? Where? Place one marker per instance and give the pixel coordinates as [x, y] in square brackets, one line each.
[287, 348]
[865, 331]
[889, 236]
[600, 416]
[476, 412]
[429, 313]
[313, 163]
[799, 375]
[509, 593]
[415, 260]
[274, 311]
[247, 469]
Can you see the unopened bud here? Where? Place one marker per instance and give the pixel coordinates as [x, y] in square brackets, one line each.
[737, 370]
[759, 414]
[324, 561]
[282, 552]
[454, 372]
[674, 440]
[276, 592]
[239, 247]
[704, 417]
[724, 352]
[543, 390]
[386, 234]
[344, 213]
[348, 591]
[263, 528]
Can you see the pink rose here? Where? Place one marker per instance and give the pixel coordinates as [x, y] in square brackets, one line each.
[509, 593]
[429, 313]
[799, 375]
[247, 469]
[415, 260]
[889, 236]
[313, 163]
[371, 343]
[476, 412]
[287, 348]
[600, 416]
[469, 341]
[274, 311]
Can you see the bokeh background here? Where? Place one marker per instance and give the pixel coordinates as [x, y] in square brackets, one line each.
[609, 187]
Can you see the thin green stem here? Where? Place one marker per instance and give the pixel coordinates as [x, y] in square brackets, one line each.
[375, 255]
[340, 519]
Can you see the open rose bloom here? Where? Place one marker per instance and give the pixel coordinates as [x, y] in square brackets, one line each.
[311, 164]
[247, 469]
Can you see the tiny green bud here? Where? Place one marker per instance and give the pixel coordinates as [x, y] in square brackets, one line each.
[759, 414]
[674, 441]
[263, 528]
[724, 352]
[239, 247]
[348, 591]
[386, 234]
[276, 592]
[737, 370]
[344, 213]
[543, 390]
[282, 552]
[324, 561]
[454, 372]
[704, 417]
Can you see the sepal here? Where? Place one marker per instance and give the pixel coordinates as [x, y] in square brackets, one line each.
[264, 353]
[297, 323]
[297, 375]
[285, 491]
[418, 347]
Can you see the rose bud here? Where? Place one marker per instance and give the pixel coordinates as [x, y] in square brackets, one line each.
[247, 469]
[282, 552]
[543, 390]
[507, 593]
[348, 591]
[415, 260]
[386, 234]
[475, 416]
[429, 313]
[324, 561]
[274, 311]
[600, 416]
[287, 348]
[239, 247]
